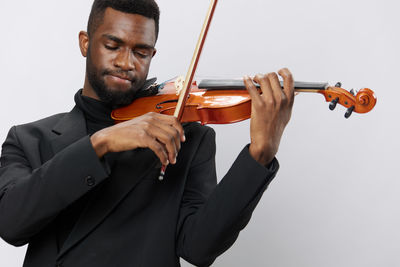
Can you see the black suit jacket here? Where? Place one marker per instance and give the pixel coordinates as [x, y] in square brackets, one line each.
[131, 218]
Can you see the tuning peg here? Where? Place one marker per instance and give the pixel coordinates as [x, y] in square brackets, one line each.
[333, 103]
[338, 84]
[352, 92]
[349, 112]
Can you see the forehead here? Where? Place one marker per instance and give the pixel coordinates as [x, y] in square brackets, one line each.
[127, 26]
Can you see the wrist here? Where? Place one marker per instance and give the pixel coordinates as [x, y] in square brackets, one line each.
[260, 156]
[99, 143]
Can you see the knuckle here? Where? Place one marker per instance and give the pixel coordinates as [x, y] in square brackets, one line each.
[141, 135]
[172, 139]
[147, 139]
[270, 102]
[177, 124]
[283, 71]
[272, 75]
[148, 115]
[141, 131]
[278, 98]
[146, 126]
[151, 118]
[158, 148]
[177, 132]
[259, 77]
[259, 104]
[284, 100]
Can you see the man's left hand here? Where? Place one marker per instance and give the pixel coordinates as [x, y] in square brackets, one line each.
[270, 113]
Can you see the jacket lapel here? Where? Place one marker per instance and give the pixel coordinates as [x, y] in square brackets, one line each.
[70, 129]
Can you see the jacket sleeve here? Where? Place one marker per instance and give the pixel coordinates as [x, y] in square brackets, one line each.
[32, 198]
[212, 215]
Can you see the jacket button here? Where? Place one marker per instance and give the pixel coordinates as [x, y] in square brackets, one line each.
[90, 181]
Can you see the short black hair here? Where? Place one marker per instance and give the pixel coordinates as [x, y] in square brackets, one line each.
[146, 8]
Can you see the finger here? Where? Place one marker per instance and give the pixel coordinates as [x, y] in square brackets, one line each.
[276, 86]
[173, 134]
[158, 149]
[288, 84]
[167, 136]
[252, 89]
[170, 138]
[172, 121]
[266, 89]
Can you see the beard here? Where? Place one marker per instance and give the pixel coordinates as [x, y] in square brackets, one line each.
[112, 97]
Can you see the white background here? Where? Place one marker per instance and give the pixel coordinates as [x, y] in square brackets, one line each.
[335, 201]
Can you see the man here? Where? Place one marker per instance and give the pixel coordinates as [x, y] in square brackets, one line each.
[82, 191]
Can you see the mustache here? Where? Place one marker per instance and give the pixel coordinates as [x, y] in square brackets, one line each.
[128, 75]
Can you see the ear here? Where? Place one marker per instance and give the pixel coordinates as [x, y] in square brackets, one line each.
[83, 42]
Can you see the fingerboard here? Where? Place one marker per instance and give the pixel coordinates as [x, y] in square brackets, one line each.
[238, 84]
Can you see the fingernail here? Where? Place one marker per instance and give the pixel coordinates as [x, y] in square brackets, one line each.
[184, 138]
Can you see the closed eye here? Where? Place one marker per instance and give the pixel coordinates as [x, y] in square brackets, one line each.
[141, 54]
[112, 48]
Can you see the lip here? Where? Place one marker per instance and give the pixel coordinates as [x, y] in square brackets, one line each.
[120, 78]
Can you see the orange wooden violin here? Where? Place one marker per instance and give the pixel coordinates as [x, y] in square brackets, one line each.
[219, 101]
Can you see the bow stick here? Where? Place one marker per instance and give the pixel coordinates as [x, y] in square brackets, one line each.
[192, 70]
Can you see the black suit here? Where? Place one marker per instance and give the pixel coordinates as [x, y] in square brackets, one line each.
[131, 218]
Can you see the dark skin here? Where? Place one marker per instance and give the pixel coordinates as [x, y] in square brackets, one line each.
[126, 42]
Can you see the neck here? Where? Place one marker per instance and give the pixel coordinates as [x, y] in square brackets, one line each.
[237, 84]
[88, 90]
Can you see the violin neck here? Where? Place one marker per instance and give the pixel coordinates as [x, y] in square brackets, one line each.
[238, 84]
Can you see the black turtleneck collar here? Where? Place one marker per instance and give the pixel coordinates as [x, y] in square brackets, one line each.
[97, 113]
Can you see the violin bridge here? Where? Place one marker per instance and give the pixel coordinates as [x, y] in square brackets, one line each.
[179, 82]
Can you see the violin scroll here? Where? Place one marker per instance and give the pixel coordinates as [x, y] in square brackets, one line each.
[366, 100]
[361, 102]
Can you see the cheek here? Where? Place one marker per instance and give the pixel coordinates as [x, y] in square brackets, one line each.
[143, 65]
[100, 59]
[104, 61]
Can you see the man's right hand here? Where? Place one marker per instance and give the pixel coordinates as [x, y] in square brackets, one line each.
[163, 134]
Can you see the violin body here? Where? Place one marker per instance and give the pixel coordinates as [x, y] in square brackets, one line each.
[204, 106]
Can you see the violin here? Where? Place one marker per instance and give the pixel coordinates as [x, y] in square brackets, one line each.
[221, 101]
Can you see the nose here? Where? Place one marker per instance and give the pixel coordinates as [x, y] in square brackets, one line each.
[125, 60]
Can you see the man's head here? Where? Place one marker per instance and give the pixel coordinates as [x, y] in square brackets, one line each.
[119, 46]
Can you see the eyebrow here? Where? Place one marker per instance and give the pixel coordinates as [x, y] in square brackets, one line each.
[113, 38]
[120, 41]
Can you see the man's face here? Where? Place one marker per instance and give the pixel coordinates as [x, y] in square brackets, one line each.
[119, 55]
